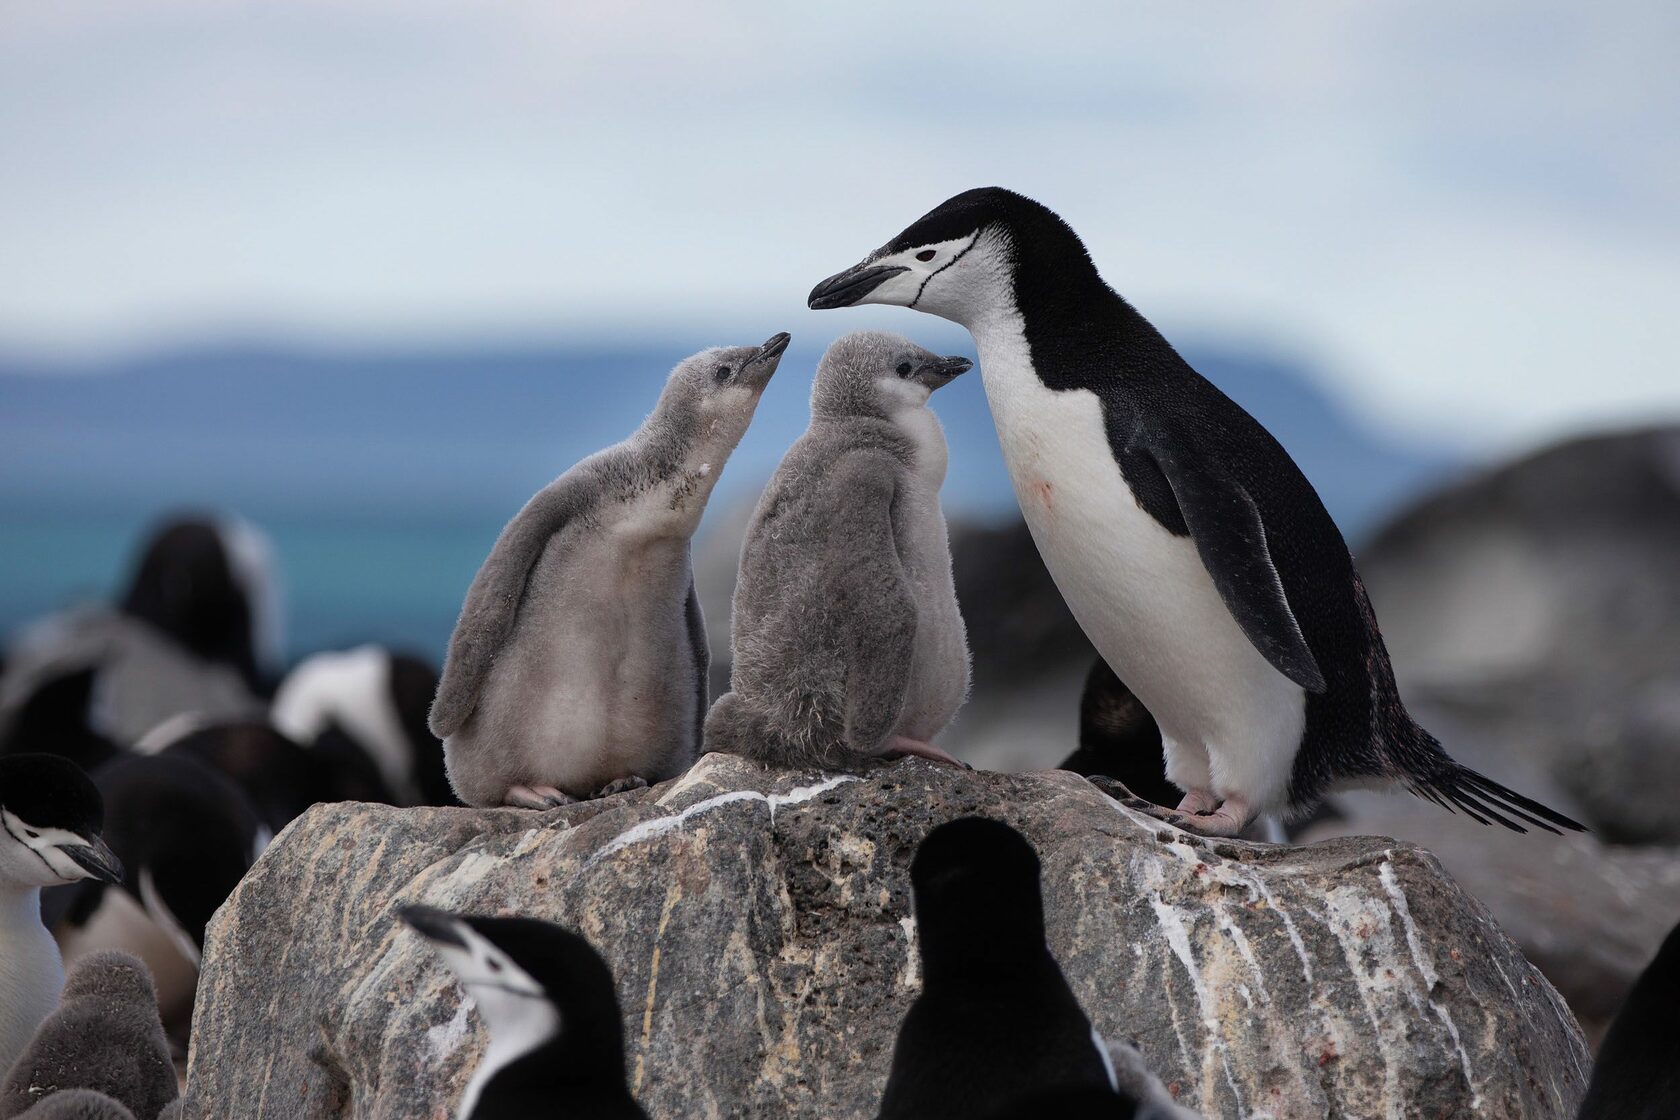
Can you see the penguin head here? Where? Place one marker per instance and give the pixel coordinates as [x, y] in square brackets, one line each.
[51, 815]
[978, 902]
[877, 373]
[529, 979]
[710, 397]
[957, 261]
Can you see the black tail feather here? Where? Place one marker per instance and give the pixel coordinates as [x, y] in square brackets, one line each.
[1486, 801]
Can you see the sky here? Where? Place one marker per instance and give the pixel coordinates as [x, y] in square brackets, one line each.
[1466, 217]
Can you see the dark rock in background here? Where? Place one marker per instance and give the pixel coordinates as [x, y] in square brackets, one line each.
[760, 929]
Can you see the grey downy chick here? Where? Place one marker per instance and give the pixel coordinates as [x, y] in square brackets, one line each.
[106, 1036]
[846, 638]
[579, 662]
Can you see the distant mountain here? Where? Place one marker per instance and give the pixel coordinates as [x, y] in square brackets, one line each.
[384, 474]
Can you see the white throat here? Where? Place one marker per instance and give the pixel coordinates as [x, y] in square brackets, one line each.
[511, 1038]
[31, 970]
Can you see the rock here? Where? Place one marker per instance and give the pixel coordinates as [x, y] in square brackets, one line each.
[758, 924]
[1543, 600]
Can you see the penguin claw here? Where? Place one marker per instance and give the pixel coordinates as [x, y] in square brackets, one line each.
[536, 797]
[622, 785]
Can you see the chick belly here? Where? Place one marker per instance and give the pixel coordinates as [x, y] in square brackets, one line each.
[1230, 723]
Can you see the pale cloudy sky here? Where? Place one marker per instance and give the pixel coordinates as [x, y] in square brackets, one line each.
[1467, 214]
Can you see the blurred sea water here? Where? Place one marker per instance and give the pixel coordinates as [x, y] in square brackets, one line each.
[383, 476]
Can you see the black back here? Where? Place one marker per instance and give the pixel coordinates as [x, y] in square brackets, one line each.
[50, 791]
[184, 585]
[1069, 1104]
[582, 1067]
[413, 684]
[996, 1018]
[55, 720]
[280, 778]
[1637, 1074]
[174, 818]
[1119, 739]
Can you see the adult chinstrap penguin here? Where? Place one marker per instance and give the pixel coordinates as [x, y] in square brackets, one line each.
[846, 637]
[51, 817]
[550, 1006]
[1636, 1075]
[996, 1021]
[1189, 546]
[578, 666]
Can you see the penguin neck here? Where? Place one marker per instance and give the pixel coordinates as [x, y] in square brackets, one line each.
[593, 1057]
[678, 470]
[30, 952]
[20, 911]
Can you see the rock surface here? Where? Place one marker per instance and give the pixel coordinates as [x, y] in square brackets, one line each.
[758, 924]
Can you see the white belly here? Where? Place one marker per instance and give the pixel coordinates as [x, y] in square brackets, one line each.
[1229, 721]
[31, 974]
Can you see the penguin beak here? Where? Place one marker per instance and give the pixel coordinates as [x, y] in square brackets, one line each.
[846, 288]
[756, 370]
[436, 926]
[941, 371]
[97, 859]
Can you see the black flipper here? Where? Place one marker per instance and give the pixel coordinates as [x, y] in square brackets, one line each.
[1230, 537]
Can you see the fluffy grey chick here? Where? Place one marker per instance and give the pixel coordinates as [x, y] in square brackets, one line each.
[105, 1036]
[579, 662]
[846, 637]
[78, 1104]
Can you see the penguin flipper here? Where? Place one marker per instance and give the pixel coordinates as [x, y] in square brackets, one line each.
[871, 600]
[696, 620]
[1230, 537]
[492, 602]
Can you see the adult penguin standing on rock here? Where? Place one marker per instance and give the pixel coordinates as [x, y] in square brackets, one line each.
[1192, 550]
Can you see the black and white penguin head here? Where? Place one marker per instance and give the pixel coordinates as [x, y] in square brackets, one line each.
[878, 373]
[52, 815]
[710, 397]
[978, 901]
[959, 261]
[529, 979]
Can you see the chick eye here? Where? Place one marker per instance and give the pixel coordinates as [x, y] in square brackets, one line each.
[723, 373]
[904, 369]
[925, 255]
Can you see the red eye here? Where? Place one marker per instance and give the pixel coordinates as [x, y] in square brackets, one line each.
[925, 255]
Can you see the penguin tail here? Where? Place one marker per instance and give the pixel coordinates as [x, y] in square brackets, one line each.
[1455, 787]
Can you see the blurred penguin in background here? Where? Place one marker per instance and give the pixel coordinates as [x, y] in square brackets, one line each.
[186, 835]
[83, 1104]
[196, 631]
[1637, 1074]
[105, 1037]
[374, 702]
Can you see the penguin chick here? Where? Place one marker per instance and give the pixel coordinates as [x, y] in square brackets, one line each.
[186, 836]
[548, 1001]
[846, 637]
[579, 661]
[105, 1036]
[376, 701]
[1190, 548]
[996, 1020]
[1637, 1073]
[78, 1104]
[51, 816]
[1118, 738]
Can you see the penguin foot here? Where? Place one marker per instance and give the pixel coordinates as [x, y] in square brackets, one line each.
[621, 785]
[1198, 801]
[1228, 820]
[902, 745]
[536, 797]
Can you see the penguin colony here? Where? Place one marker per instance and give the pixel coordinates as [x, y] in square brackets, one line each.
[1242, 675]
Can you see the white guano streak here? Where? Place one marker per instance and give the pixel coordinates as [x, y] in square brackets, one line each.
[658, 826]
[1397, 896]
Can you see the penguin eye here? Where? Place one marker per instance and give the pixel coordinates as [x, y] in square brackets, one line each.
[723, 373]
[32, 834]
[925, 255]
[495, 965]
[904, 369]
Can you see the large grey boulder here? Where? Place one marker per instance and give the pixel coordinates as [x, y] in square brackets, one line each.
[759, 925]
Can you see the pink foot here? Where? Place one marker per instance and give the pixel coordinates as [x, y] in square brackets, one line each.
[536, 797]
[902, 745]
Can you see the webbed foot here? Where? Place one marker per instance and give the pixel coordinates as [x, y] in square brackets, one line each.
[621, 785]
[901, 745]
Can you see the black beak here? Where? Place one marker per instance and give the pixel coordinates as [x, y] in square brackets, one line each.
[942, 371]
[97, 859]
[845, 288]
[436, 926]
[756, 370]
